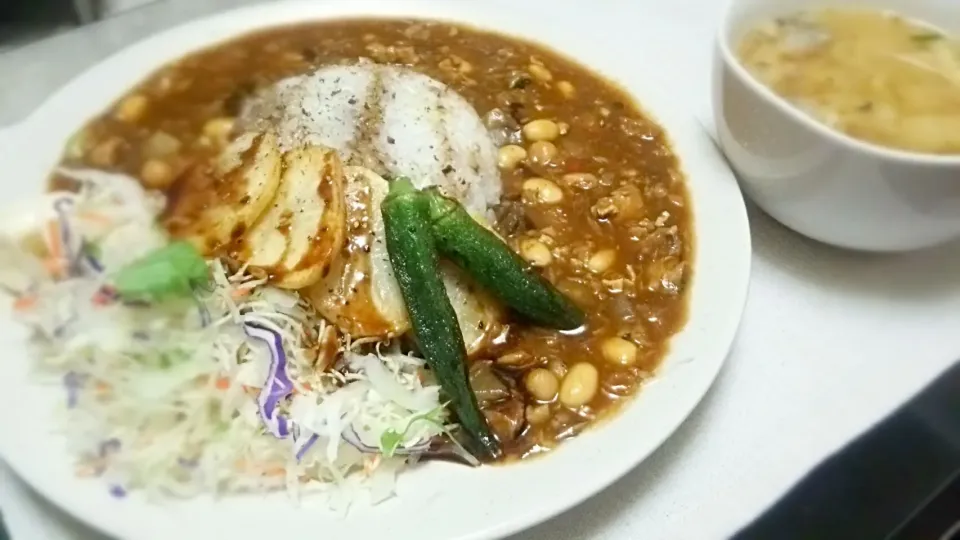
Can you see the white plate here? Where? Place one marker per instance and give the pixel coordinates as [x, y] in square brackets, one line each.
[436, 501]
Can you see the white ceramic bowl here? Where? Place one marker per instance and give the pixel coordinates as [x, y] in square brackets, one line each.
[436, 501]
[816, 180]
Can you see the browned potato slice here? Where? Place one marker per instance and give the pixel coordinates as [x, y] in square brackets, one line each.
[361, 295]
[352, 295]
[213, 205]
[302, 231]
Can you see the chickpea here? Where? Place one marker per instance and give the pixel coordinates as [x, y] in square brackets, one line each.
[156, 174]
[580, 385]
[535, 252]
[77, 144]
[538, 414]
[540, 73]
[602, 260]
[541, 190]
[542, 384]
[542, 152]
[541, 130]
[619, 351]
[165, 83]
[509, 156]
[567, 89]
[219, 129]
[132, 108]
[105, 153]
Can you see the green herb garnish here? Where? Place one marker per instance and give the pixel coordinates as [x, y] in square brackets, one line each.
[93, 249]
[390, 439]
[173, 270]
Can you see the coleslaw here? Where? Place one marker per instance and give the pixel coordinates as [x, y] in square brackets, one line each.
[234, 387]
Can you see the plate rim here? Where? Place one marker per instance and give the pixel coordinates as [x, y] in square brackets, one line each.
[317, 11]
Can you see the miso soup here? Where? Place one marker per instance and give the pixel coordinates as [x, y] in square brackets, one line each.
[874, 75]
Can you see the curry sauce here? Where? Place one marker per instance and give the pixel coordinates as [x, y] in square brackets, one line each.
[593, 195]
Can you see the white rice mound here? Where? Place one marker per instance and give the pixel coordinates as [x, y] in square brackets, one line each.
[390, 119]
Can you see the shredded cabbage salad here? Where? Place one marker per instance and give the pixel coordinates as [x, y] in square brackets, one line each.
[234, 387]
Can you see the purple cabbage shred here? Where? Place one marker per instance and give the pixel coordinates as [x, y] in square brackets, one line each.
[302, 449]
[72, 381]
[277, 385]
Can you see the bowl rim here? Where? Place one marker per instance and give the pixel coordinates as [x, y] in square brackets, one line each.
[706, 167]
[724, 39]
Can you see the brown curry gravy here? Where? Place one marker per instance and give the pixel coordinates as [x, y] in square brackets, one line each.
[621, 184]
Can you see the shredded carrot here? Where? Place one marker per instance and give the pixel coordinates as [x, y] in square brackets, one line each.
[102, 388]
[53, 236]
[241, 464]
[371, 464]
[305, 387]
[275, 471]
[86, 470]
[237, 294]
[55, 267]
[54, 264]
[223, 383]
[101, 298]
[25, 302]
[96, 217]
[245, 466]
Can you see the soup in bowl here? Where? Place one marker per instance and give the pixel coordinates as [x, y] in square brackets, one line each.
[837, 118]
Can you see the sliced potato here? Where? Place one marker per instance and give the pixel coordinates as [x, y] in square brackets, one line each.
[361, 294]
[302, 231]
[477, 312]
[214, 204]
[384, 289]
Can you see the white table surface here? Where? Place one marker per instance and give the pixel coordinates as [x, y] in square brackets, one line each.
[830, 342]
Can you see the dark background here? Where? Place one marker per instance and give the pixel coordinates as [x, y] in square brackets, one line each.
[20, 19]
[899, 481]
